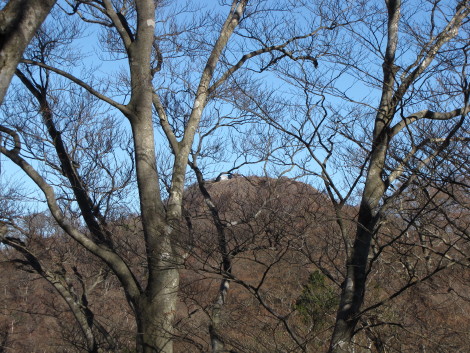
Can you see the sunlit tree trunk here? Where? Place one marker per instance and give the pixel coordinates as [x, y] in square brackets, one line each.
[19, 21]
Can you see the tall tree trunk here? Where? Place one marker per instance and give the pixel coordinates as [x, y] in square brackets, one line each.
[155, 316]
[353, 288]
[377, 181]
[155, 308]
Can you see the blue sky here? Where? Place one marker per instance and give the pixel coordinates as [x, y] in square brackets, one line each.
[356, 88]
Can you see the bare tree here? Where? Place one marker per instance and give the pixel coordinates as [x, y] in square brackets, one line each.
[405, 75]
[378, 179]
[151, 84]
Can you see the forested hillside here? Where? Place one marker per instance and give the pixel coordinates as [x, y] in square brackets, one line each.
[283, 244]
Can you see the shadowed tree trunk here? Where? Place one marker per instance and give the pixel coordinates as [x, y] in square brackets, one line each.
[377, 181]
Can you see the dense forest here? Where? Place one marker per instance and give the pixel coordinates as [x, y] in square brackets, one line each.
[234, 176]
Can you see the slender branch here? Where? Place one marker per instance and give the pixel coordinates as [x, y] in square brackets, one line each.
[430, 49]
[430, 115]
[80, 312]
[444, 143]
[279, 47]
[82, 84]
[120, 24]
[89, 211]
[170, 135]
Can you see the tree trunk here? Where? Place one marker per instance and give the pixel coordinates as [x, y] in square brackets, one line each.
[353, 288]
[19, 21]
[155, 308]
[155, 315]
[217, 343]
